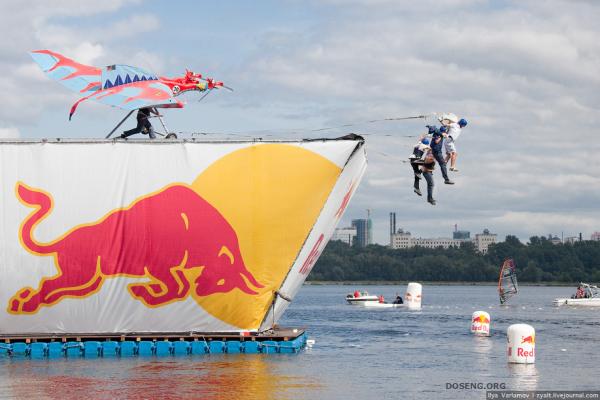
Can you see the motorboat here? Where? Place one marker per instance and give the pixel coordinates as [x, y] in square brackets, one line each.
[586, 295]
[368, 300]
[361, 297]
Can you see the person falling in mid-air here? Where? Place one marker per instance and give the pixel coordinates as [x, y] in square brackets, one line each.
[437, 144]
[143, 123]
[454, 130]
[423, 163]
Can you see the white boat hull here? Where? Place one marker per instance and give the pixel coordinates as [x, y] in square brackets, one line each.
[594, 302]
[377, 304]
[361, 300]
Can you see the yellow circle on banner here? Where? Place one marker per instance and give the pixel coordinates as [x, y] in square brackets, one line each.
[272, 195]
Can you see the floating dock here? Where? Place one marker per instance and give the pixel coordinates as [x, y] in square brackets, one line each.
[282, 341]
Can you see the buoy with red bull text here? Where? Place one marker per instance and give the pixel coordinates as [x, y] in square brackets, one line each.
[521, 344]
[480, 323]
[413, 296]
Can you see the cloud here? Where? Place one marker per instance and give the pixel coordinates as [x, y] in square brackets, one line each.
[523, 74]
[63, 26]
[9, 133]
[527, 81]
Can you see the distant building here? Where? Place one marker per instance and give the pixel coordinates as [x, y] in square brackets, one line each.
[401, 240]
[346, 235]
[404, 240]
[484, 240]
[364, 235]
[434, 243]
[595, 236]
[461, 235]
[554, 239]
[571, 239]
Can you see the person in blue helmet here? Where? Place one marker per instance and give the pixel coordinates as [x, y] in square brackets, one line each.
[423, 163]
[437, 144]
[454, 131]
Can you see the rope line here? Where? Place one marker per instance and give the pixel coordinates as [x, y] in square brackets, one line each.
[270, 132]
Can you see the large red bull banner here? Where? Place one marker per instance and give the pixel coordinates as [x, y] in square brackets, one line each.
[105, 237]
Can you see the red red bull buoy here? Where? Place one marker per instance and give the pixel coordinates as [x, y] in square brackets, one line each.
[521, 344]
[480, 323]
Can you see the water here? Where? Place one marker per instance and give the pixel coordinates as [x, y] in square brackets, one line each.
[359, 353]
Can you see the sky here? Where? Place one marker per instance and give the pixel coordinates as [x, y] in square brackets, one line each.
[525, 74]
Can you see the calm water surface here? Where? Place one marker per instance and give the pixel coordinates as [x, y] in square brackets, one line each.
[359, 353]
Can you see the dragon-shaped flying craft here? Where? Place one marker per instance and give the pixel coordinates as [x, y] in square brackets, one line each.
[123, 86]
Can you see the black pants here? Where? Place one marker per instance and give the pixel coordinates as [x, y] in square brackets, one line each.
[141, 125]
[442, 163]
[428, 177]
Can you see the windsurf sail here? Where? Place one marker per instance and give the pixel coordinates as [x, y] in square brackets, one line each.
[507, 282]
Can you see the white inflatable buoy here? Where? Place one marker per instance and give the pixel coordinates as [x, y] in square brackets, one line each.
[413, 296]
[480, 323]
[521, 344]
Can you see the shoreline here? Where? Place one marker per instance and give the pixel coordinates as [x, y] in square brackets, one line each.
[438, 283]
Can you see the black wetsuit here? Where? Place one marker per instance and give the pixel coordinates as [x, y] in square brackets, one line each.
[143, 124]
[436, 150]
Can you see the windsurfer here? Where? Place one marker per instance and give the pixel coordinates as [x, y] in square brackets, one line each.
[143, 123]
[507, 282]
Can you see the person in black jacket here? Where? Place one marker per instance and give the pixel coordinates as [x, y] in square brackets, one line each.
[423, 163]
[437, 142]
[143, 123]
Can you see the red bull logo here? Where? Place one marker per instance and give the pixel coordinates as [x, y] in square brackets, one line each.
[345, 201]
[528, 339]
[228, 239]
[529, 350]
[310, 261]
[481, 319]
[480, 323]
[521, 352]
[173, 237]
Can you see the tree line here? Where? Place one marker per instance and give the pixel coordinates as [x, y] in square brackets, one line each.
[537, 261]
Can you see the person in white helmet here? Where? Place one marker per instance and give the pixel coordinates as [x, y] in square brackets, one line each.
[454, 130]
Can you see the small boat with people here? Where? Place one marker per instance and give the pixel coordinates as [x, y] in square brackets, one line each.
[381, 303]
[365, 299]
[361, 297]
[412, 298]
[585, 295]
